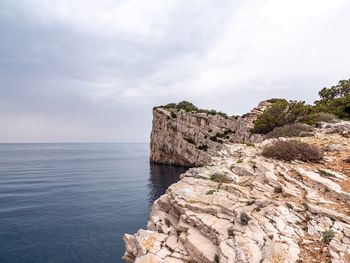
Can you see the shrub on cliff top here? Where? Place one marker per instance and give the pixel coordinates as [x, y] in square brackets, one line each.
[282, 112]
[187, 106]
[190, 107]
[291, 130]
[293, 150]
[335, 99]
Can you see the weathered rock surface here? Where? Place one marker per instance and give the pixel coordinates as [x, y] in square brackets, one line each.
[192, 139]
[243, 207]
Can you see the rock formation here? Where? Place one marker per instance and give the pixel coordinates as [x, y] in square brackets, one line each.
[243, 207]
[193, 138]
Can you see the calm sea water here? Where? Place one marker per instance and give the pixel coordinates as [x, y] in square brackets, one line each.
[73, 202]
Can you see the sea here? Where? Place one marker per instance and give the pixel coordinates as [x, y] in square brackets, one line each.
[72, 202]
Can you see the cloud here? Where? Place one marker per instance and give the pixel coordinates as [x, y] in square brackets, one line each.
[93, 70]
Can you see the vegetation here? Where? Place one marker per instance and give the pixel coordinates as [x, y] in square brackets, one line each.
[291, 130]
[334, 103]
[220, 178]
[278, 189]
[293, 150]
[282, 112]
[190, 107]
[325, 173]
[327, 236]
[335, 99]
[210, 192]
[289, 206]
[250, 144]
[216, 258]
[244, 218]
[326, 117]
[230, 232]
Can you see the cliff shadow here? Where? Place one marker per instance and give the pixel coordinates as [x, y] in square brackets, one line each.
[161, 177]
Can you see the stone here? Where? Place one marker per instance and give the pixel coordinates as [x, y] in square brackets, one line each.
[287, 226]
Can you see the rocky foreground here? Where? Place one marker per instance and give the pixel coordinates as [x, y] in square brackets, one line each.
[243, 207]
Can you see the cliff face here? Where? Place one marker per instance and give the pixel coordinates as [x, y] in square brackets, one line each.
[192, 139]
[244, 207]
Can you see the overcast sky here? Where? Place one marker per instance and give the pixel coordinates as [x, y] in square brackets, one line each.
[91, 71]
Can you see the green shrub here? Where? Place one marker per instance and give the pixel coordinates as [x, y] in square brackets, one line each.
[327, 236]
[289, 205]
[291, 130]
[282, 112]
[278, 189]
[335, 99]
[244, 218]
[292, 150]
[210, 192]
[325, 173]
[216, 258]
[230, 232]
[220, 178]
[187, 106]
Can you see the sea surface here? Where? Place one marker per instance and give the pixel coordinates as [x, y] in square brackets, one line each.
[73, 202]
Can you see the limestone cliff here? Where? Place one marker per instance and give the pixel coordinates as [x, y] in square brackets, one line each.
[261, 210]
[193, 138]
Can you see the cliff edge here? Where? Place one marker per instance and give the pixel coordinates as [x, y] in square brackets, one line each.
[192, 137]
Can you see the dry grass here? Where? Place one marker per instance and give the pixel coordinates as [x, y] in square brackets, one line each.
[293, 150]
[326, 117]
[291, 130]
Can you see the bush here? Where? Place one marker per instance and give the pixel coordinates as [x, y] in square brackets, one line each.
[282, 112]
[220, 178]
[210, 192]
[335, 99]
[230, 232]
[244, 218]
[327, 236]
[291, 130]
[326, 117]
[293, 150]
[187, 106]
[278, 189]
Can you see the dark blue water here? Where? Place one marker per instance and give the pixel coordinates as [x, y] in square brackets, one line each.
[73, 202]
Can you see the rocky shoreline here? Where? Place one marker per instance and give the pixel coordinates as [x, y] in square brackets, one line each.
[243, 207]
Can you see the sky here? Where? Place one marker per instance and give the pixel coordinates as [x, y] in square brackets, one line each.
[91, 71]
